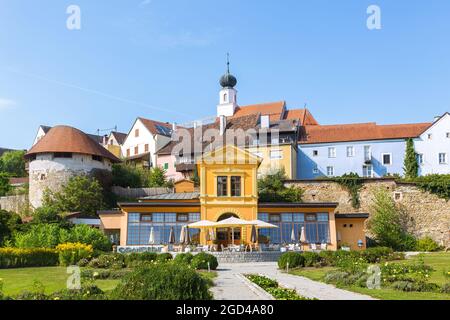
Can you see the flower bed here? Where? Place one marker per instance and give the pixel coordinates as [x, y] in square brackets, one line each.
[272, 287]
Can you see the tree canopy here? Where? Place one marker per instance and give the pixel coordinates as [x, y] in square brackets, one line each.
[271, 188]
[411, 167]
[81, 194]
[13, 163]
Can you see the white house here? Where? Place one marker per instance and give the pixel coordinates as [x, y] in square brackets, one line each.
[144, 139]
[433, 147]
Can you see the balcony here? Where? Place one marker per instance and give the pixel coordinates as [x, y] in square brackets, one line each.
[184, 164]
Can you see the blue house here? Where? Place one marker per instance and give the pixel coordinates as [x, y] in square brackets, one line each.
[368, 149]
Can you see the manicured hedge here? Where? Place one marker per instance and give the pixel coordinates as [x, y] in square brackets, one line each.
[200, 261]
[19, 258]
[340, 258]
[168, 281]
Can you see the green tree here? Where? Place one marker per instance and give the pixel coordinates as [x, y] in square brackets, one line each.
[387, 223]
[156, 178]
[13, 163]
[5, 186]
[9, 223]
[126, 176]
[410, 165]
[81, 194]
[195, 178]
[271, 188]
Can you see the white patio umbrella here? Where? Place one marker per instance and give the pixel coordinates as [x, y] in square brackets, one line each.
[234, 223]
[302, 236]
[151, 238]
[187, 236]
[182, 236]
[293, 238]
[263, 225]
[202, 224]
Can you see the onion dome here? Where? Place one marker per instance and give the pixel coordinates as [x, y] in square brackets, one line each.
[228, 80]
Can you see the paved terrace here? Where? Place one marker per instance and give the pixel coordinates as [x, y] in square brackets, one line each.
[229, 284]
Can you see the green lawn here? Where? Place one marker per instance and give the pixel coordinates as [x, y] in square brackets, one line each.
[52, 278]
[439, 261]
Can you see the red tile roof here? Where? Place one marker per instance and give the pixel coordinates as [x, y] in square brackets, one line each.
[359, 132]
[305, 117]
[68, 139]
[275, 110]
[151, 125]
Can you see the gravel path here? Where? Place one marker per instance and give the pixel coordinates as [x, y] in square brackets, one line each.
[230, 286]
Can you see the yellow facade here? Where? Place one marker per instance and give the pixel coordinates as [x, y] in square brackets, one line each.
[275, 157]
[231, 163]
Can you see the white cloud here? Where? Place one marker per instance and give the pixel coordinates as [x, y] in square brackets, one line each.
[6, 103]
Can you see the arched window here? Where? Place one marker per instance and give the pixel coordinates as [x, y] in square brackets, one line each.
[225, 97]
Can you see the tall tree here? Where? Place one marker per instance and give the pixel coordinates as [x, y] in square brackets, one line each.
[81, 194]
[388, 223]
[410, 165]
[13, 163]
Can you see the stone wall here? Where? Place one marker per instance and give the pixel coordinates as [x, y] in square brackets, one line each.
[429, 214]
[15, 204]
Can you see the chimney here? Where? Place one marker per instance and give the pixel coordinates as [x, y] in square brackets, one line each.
[105, 139]
[436, 118]
[265, 122]
[174, 126]
[223, 124]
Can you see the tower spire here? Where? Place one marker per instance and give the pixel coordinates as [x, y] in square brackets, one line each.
[228, 62]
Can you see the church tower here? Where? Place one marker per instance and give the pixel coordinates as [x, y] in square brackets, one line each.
[228, 94]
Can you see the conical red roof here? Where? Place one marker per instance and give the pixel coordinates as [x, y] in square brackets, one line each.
[68, 139]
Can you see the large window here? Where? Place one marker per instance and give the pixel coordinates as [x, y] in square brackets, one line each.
[332, 152]
[235, 186]
[316, 227]
[367, 171]
[140, 225]
[222, 186]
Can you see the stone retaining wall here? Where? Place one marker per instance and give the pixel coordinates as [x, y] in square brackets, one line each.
[429, 215]
[14, 203]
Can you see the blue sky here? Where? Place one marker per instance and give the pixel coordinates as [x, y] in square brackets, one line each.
[162, 59]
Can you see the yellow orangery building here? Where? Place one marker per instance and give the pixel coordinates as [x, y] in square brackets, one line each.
[228, 188]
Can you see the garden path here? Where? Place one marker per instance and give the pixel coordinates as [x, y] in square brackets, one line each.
[230, 286]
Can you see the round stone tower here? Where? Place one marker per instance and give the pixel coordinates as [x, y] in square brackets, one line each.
[62, 153]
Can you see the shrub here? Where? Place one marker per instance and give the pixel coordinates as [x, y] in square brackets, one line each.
[108, 261]
[387, 223]
[335, 277]
[262, 281]
[72, 253]
[164, 257]
[427, 244]
[419, 286]
[83, 262]
[17, 257]
[135, 258]
[327, 257]
[413, 272]
[311, 258]
[50, 235]
[200, 261]
[96, 274]
[350, 261]
[295, 260]
[84, 234]
[376, 254]
[445, 288]
[39, 236]
[87, 292]
[185, 258]
[162, 282]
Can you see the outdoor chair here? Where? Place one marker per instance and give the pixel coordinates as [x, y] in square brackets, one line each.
[205, 248]
[224, 249]
[313, 247]
[323, 246]
[187, 250]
